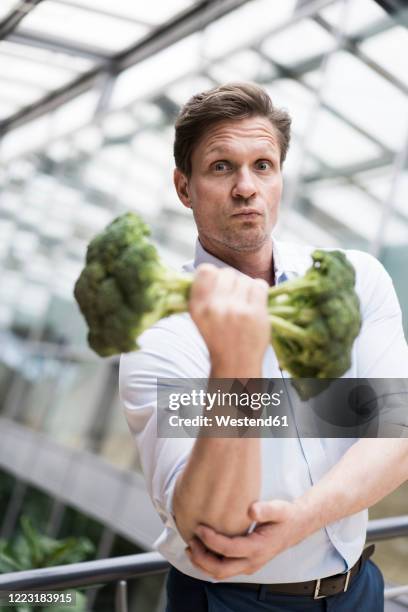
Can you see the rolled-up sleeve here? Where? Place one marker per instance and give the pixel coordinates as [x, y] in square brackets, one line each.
[171, 349]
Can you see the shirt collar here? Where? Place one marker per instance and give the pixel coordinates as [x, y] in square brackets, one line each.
[282, 272]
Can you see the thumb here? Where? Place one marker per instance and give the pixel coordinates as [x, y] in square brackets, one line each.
[275, 511]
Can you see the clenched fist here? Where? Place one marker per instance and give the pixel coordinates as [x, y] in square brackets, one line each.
[230, 312]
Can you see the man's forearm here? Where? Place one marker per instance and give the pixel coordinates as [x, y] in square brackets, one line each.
[369, 470]
[220, 481]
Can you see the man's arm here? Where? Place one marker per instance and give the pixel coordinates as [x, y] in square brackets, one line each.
[222, 476]
[368, 471]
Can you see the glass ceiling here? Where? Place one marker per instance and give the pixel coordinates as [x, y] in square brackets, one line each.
[103, 142]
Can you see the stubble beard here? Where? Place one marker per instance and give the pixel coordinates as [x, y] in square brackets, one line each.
[243, 240]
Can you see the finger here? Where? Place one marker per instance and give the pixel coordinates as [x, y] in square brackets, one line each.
[213, 565]
[235, 546]
[275, 511]
[258, 291]
[242, 286]
[227, 280]
[204, 281]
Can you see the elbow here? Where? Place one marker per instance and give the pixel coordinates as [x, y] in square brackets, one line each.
[230, 519]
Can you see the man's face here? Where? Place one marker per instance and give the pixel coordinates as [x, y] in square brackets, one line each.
[236, 184]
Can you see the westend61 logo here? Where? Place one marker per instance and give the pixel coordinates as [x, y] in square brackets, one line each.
[207, 400]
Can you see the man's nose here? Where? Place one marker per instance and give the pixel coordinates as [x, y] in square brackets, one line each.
[244, 186]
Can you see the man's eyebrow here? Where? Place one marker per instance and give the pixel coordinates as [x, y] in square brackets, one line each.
[217, 149]
[222, 150]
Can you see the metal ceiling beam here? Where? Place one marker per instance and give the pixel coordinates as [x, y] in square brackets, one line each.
[59, 45]
[392, 6]
[15, 16]
[297, 71]
[186, 23]
[349, 170]
[172, 31]
[98, 11]
[351, 44]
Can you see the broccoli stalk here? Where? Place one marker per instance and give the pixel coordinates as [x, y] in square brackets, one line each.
[124, 289]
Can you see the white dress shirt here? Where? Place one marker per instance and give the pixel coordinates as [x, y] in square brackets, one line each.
[174, 348]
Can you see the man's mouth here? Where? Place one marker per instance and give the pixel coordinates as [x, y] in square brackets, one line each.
[249, 213]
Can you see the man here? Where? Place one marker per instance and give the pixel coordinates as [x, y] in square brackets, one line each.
[256, 524]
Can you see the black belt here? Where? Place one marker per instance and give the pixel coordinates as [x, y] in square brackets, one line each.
[323, 587]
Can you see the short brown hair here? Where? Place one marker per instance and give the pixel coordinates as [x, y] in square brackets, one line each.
[222, 103]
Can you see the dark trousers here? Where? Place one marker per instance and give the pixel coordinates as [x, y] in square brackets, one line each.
[185, 594]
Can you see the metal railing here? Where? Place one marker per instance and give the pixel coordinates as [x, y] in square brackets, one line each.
[121, 569]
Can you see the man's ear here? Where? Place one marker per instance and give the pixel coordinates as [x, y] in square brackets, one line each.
[182, 188]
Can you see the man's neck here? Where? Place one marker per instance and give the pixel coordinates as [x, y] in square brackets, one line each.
[256, 264]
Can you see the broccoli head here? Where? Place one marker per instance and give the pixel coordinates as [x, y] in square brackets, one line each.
[316, 318]
[124, 288]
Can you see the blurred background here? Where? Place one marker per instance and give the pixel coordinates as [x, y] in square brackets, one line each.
[89, 90]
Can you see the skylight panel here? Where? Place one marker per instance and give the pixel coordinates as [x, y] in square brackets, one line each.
[118, 124]
[296, 99]
[244, 26]
[298, 42]
[37, 75]
[246, 65]
[88, 140]
[356, 210]
[7, 109]
[305, 230]
[154, 147]
[153, 74]
[137, 10]
[297, 159]
[74, 114]
[7, 6]
[390, 50]
[367, 99]
[377, 182]
[147, 113]
[337, 144]
[27, 137]
[182, 90]
[83, 26]
[380, 184]
[33, 55]
[360, 14]
[19, 93]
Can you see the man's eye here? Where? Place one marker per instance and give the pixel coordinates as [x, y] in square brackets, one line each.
[220, 166]
[263, 164]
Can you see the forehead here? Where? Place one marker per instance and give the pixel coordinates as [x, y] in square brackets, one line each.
[252, 132]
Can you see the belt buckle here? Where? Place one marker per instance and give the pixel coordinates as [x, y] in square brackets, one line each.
[317, 590]
[317, 595]
[347, 580]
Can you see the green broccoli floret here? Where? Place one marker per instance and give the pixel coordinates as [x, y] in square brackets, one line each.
[316, 318]
[124, 289]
